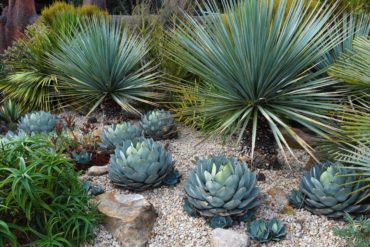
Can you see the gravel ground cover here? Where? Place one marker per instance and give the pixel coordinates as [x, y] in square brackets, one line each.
[175, 228]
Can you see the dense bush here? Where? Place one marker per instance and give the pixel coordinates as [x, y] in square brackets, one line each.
[262, 75]
[29, 78]
[42, 201]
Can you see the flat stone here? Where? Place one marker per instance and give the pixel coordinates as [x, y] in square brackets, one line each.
[97, 170]
[129, 218]
[225, 238]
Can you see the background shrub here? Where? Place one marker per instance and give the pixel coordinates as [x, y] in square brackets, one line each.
[41, 198]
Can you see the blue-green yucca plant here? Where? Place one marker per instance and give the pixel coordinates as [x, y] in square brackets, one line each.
[102, 61]
[254, 65]
[350, 26]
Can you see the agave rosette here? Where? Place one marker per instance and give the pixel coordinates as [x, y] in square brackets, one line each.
[159, 124]
[141, 164]
[38, 122]
[117, 134]
[330, 189]
[221, 186]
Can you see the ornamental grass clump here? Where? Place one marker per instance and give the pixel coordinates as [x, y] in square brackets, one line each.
[142, 164]
[221, 187]
[331, 190]
[254, 65]
[103, 61]
[42, 201]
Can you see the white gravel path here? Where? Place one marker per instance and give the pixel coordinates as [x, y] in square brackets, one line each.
[175, 228]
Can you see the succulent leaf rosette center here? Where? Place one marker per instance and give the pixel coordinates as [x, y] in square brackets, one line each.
[221, 186]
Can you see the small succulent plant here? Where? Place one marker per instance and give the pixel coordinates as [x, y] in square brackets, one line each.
[117, 134]
[142, 164]
[82, 157]
[220, 222]
[277, 229]
[295, 198]
[159, 125]
[264, 231]
[331, 190]
[38, 122]
[11, 136]
[221, 186]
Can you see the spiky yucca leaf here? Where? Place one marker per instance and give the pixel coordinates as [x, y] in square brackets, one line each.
[358, 160]
[101, 62]
[353, 66]
[254, 64]
[350, 26]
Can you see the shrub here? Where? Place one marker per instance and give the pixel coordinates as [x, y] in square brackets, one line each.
[41, 197]
[30, 80]
[221, 187]
[263, 74]
[121, 77]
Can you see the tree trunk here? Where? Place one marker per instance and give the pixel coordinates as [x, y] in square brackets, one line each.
[15, 17]
[100, 3]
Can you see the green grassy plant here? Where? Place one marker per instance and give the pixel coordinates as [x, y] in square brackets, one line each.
[41, 199]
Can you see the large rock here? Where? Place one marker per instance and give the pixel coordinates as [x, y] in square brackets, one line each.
[228, 238]
[129, 218]
[97, 170]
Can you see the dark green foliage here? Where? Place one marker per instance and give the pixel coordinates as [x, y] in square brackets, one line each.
[41, 197]
[356, 232]
[295, 198]
[263, 231]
